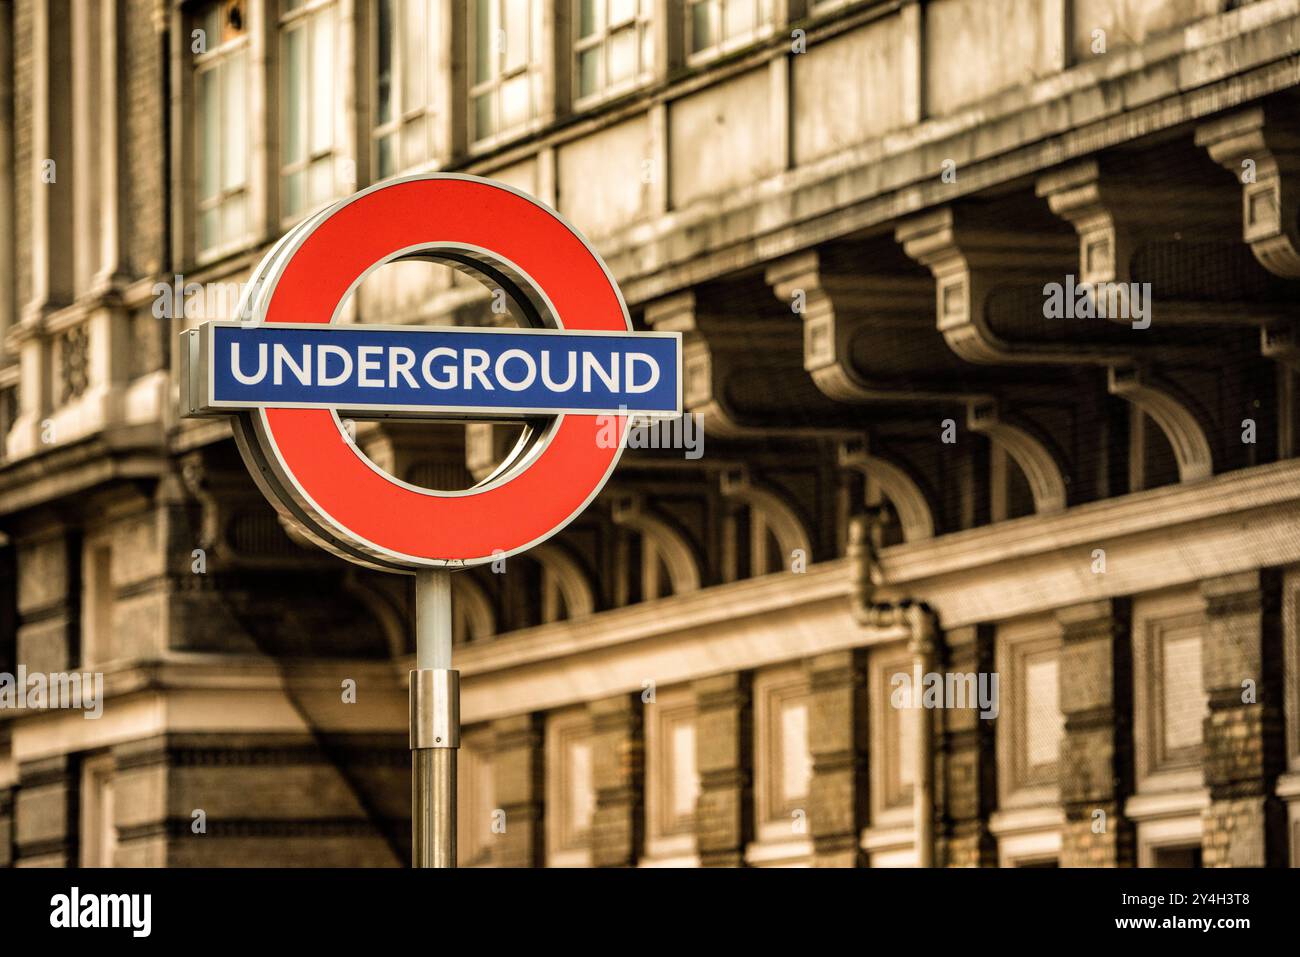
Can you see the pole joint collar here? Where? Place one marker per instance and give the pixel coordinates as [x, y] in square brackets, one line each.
[435, 708]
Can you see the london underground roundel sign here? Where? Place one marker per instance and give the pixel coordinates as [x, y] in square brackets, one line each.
[289, 369]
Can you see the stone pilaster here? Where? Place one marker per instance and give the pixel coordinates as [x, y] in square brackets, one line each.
[837, 738]
[966, 792]
[47, 807]
[1096, 764]
[1245, 824]
[724, 737]
[6, 827]
[618, 769]
[49, 573]
[517, 769]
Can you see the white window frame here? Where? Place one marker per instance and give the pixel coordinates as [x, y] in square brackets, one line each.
[298, 19]
[404, 116]
[778, 843]
[500, 74]
[1019, 645]
[565, 845]
[670, 837]
[217, 57]
[641, 23]
[765, 13]
[1154, 616]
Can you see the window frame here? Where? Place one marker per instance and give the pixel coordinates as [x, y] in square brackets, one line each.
[214, 58]
[287, 20]
[402, 115]
[533, 71]
[669, 835]
[641, 23]
[763, 28]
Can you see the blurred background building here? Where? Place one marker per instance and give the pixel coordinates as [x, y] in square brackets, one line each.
[853, 211]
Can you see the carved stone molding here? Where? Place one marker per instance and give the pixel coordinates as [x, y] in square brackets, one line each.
[630, 511]
[1260, 147]
[985, 263]
[741, 366]
[1136, 225]
[915, 515]
[563, 573]
[1038, 463]
[1183, 429]
[777, 515]
[839, 308]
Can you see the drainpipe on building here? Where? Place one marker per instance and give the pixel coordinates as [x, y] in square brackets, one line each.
[919, 622]
[921, 645]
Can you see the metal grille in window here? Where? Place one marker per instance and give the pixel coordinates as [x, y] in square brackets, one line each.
[74, 363]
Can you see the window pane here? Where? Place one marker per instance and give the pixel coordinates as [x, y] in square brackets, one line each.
[483, 125]
[414, 148]
[483, 64]
[587, 17]
[516, 28]
[209, 129]
[622, 55]
[234, 124]
[233, 225]
[322, 181]
[415, 56]
[738, 17]
[384, 64]
[621, 11]
[384, 156]
[589, 71]
[322, 93]
[211, 27]
[701, 36]
[208, 226]
[292, 145]
[514, 102]
[293, 199]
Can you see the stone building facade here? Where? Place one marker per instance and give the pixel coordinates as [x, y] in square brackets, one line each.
[924, 452]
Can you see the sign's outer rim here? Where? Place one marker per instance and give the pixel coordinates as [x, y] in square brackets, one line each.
[281, 479]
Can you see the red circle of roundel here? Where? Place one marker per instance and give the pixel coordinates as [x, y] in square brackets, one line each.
[423, 527]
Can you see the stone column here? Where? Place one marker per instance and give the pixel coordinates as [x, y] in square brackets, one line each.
[724, 740]
[1096, 763]
[517, 770]
[1245, 824]
[618, 748]
[967, 773]
[837, 738]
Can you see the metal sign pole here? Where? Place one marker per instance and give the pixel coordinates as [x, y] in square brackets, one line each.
[435, 725]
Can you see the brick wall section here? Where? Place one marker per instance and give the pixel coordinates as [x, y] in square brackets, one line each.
[724, 812]
[1245, 824]
[966, 770]
[1096, 763]
[618, 775]
[519, 784]
[837, 738]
